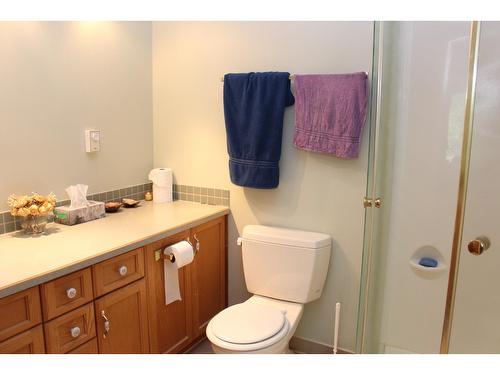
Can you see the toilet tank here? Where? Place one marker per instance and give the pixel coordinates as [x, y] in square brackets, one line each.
[285, 264]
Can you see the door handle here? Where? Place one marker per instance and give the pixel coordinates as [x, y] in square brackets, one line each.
[478, 245]
[106, 324]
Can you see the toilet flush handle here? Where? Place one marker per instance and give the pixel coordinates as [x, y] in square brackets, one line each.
[239, 241]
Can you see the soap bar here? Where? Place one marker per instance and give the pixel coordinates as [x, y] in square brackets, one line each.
[428, 262]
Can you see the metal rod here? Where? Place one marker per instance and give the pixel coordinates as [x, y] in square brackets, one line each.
[291, 77]
[462, 186]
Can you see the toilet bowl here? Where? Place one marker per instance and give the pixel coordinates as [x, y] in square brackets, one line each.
[260, 325]
[284, 269]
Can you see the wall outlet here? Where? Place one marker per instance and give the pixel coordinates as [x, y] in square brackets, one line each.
[92, 140]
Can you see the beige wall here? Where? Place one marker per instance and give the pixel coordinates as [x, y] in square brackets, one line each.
[316, 192]
[59, 78]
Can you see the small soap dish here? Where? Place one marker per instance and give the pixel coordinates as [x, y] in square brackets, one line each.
[428, 255]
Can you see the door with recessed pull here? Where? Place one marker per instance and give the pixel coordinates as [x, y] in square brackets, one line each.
[475, 322]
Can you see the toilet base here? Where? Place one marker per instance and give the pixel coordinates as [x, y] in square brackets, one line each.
[278, 348]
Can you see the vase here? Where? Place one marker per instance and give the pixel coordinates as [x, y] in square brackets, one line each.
[34, 224]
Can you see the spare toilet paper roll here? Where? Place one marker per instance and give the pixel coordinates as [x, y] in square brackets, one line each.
[162, 184]
[184, 254]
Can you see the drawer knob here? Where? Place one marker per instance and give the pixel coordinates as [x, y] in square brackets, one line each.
[75, 332]
[123, 270]
[71, 293]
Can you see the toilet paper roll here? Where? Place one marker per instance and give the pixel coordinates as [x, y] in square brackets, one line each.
[184, 254]
[162, 184]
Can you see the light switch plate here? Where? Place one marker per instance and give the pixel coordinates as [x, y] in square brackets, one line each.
[92, 140]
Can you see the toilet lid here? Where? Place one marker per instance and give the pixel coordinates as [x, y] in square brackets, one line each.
[247, 323]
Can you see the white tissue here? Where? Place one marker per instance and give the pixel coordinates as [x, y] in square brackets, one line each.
[162, 184]
[78, 195]
[184, 254]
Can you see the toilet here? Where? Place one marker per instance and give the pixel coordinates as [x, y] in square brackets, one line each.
[284, 269]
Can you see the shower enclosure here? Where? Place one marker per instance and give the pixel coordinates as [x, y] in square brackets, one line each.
[435, 165]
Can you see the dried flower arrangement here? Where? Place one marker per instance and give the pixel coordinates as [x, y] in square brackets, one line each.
[32, 205]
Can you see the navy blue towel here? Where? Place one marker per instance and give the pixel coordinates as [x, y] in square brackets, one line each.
[254, 107]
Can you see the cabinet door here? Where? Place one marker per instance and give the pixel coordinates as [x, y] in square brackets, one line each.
[29, 342]
[208, 273]
[121, 320]
[19, 312]
[169, 325]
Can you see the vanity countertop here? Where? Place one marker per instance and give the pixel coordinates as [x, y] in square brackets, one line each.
[26, 261]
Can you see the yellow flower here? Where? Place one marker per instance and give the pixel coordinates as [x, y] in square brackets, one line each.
[34, 210]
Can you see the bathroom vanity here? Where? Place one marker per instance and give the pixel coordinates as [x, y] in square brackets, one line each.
[63, 292]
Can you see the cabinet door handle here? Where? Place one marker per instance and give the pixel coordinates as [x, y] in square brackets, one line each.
[75, 332]
[71, 293]
[123, 270]
[197, 242]
[106, 324]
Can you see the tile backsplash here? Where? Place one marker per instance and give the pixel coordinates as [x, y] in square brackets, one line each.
[204, 195]
[200, 194]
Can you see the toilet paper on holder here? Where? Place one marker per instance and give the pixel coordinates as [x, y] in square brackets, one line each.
[176, 256]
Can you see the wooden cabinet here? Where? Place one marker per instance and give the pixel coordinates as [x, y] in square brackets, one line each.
[178, 325]
[90, 347]
[19, 312]
[118, 271]
[70, 330]
[208, 274]
[66, 293]
[29, 342]
[122, 322]
[118, 305]
[170, 325]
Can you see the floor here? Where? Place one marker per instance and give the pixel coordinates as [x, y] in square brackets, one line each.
[203, 347]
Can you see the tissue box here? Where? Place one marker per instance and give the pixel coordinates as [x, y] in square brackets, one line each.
[67, 216]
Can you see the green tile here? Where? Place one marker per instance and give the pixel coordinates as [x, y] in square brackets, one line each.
[197, 198]
[197, 190]
[204, 191]
[2, 229]
[211, 192]
[182, 188]
[109, 196]
[128, 191]
[225, 202]
[190, 189]
[218, 200]
[123, 192]
[7, 217]
[225, 193]
[10, 227]
[204, 199]
[218, 193]
[211, 200]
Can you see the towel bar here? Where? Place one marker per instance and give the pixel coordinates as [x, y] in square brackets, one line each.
[290, 77]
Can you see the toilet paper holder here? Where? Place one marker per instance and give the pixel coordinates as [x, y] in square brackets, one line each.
[171, 257]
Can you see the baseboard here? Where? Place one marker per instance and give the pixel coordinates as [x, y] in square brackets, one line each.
[305, 346]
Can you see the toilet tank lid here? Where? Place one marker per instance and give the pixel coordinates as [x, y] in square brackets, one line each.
[286, 236]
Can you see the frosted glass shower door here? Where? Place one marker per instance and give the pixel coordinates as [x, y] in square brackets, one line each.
[476, 318]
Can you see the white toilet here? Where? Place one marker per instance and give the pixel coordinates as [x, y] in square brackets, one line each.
[284, 269]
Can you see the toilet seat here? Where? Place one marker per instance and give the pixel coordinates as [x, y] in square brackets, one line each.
[248, 326]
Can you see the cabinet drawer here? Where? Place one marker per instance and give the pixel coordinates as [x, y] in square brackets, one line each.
[90, 347]
[19, 312]
[118, 271]
[29, 342]
[66, 293]
[70, 330]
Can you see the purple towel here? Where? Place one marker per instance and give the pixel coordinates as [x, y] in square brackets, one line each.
[330, 110]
